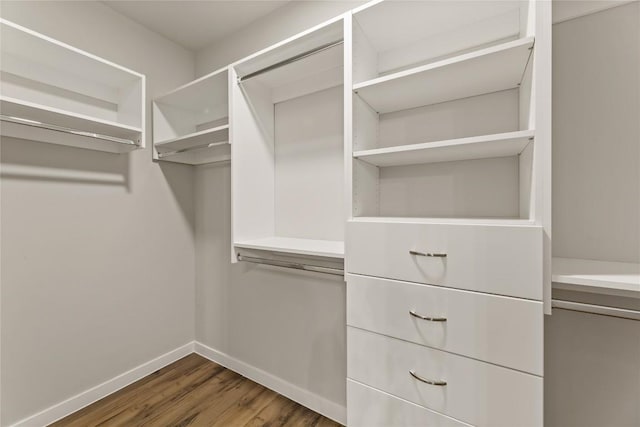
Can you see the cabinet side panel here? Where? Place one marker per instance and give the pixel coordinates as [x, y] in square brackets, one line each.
[252, 151]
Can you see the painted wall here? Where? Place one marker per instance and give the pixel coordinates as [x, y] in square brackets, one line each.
[98, 260]
[592, 363]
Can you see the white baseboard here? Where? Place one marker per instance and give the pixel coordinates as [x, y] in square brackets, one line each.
[304, 397]
[79, 401]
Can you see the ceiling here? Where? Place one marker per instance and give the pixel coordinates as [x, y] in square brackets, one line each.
[195, 24]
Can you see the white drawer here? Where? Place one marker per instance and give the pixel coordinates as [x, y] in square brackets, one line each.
[368, 407]
[502, 330]
[504, 260]
[476, 392]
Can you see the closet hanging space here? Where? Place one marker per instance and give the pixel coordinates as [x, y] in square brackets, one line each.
[191, 123]
[288, 147]
[55, 93]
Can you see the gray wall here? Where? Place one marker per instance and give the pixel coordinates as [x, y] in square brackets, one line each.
[98, 262]
[592, 363]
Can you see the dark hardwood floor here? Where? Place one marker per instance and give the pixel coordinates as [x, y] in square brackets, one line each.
[195, 392]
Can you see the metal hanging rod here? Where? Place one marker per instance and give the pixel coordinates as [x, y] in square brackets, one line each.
[596, 309]
[196, 147]
[290, 60]
[40, 125]
[294, 265]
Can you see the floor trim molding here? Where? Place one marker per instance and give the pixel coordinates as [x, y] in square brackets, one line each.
[81, 400]
[304, 397]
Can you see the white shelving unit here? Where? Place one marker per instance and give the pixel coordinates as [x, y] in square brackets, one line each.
[55, 93]
[191, 123]
[612, 278]
[450, 177]
[444, 121]
[288, 146]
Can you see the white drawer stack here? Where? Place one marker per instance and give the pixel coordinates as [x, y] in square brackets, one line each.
[444, 324]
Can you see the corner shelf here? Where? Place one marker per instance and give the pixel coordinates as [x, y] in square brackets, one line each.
[602, 277]
[477, 147]
[483, 71]
[191, 123]
[55, 93]
[289, 245]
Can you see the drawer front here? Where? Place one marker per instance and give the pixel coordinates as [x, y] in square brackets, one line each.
[368, 407]
[502, 330]
[476, 392]
[504, 260]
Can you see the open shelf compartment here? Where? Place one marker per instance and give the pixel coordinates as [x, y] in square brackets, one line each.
[288, 169]
[53, 92]
[191, 123]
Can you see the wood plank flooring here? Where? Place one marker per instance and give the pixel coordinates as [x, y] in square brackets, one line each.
[195, 392]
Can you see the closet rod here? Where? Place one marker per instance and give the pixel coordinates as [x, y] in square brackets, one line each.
[290, 60]
[294, 265]
[40, 125]
[196, 147]
[596, 309]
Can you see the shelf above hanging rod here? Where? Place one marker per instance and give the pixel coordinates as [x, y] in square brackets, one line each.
[293, 265]
[596, 309]
[290, 60]
[196, 147]
[56, 128]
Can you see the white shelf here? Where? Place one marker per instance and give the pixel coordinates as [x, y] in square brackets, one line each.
[477, 147]
[483, 71]
[53, 92]
[196, 139]
[613, 278]
[320, 248]
[42, 115]
[457, 221]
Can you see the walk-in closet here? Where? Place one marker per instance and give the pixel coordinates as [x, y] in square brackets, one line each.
[380, 213]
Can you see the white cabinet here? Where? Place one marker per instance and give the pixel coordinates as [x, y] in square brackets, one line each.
[191, 123]
[500, 330]
[52, 92]
[468, 390]
[448, 243]
[373, 408]
[497, 259]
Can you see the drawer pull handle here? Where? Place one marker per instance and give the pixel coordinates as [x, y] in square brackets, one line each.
[430, 319]
[426, 381]
[429, 254]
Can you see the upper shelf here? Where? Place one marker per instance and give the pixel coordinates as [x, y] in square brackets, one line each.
[478, 147]
[200, 139]
[289, 245]
[483, 71]
[53, 92]
[612, 278]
